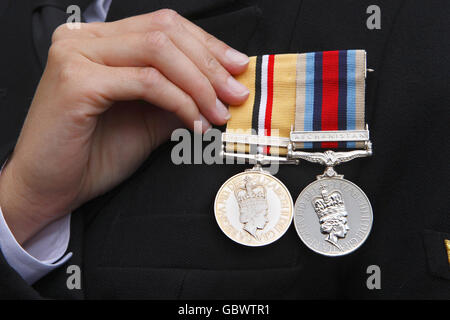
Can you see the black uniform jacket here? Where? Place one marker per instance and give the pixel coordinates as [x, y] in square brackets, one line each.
[155, 235]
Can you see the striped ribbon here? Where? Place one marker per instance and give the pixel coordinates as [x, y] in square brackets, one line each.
[318, 91]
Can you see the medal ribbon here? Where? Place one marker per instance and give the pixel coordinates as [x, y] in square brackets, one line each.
[317, 91]
[330, 93]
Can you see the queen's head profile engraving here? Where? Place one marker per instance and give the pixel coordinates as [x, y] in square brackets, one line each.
[253, 207]
[332, 215]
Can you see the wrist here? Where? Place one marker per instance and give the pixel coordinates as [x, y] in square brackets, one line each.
[23, 218]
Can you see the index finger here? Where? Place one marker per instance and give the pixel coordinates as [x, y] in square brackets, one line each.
[165, 20]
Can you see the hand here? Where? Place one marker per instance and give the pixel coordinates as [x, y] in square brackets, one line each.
[109, 95]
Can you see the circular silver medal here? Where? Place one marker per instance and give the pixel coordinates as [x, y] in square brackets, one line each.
[333, 216]
[253, 208]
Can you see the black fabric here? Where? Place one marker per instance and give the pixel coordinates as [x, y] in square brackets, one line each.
[191, 9]
[437, 255]
[155, 236]
[44, 21]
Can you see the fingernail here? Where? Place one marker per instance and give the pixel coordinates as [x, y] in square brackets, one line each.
[236, 57]
[236, 87]
[222, 110]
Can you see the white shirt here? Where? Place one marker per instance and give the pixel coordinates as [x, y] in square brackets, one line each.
[45, 251]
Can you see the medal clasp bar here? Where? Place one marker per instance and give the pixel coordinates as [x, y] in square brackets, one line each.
[329, 158]
[297, 137]
[256, 158]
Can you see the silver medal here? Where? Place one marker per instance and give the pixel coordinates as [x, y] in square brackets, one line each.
[333, 216]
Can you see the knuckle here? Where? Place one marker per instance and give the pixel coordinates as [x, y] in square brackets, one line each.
[66, 30]
[59, 32]
[211, 64]
[210, 40]
[156, 39]
[60, 51]
[66, 44]
[150, 77]
[166, 17]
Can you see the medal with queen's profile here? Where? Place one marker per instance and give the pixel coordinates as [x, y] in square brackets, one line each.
[333, 216]
[253, 208]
